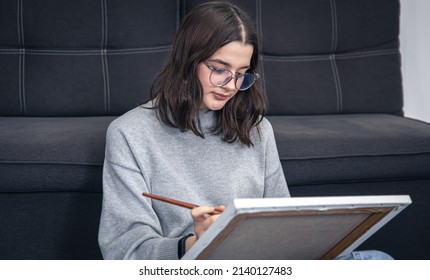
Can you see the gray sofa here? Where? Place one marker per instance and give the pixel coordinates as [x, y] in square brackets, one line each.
[332, 74]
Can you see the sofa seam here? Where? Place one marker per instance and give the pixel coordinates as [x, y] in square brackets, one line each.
[367, 54]
[21, 60]
[337, 84]
[105, 68]
[354, 156]
[49, 162]
[323, 57]
[94, 52]
[364, 180]
[334, 25]
[104, 24]
[106, 84]
[21, 81]
[50, 190]
[20, 23]
[259, 23]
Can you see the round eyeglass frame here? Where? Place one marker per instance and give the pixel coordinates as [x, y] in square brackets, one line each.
[236, 76]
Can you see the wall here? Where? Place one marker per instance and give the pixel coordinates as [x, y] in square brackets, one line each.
[415, 48]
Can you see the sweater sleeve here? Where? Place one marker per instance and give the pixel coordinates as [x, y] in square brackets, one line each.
[129, 227]
[275, 183]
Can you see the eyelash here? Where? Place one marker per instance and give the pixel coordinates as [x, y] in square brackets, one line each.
[219, 70]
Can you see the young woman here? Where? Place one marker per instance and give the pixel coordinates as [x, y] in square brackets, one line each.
[201, 138]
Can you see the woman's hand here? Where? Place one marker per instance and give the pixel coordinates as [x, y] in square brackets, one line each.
[203, 219]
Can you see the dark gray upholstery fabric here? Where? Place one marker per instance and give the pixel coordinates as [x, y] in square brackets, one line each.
[352, 148]
[344, 60]
[49, 225]
[31, 158]
[81, 58]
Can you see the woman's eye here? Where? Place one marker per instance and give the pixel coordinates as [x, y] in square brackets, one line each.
[219, 71]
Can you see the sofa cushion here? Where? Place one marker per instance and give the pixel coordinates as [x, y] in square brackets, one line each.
[330, 57]
[50, 226]
[328, 84]
[352, 148]
[81, 58]
[52, 154]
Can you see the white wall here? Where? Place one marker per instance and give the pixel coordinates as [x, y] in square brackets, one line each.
[415, 50]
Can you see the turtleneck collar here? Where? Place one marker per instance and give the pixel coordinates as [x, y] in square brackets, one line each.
[207, 119]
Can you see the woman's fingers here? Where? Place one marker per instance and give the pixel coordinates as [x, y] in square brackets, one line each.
[200, 213]
[220, 209]
[203, 211]
[203, 218]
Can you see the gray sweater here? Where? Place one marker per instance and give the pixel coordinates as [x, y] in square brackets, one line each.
[144, 155]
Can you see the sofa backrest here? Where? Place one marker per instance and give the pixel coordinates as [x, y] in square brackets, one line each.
[330, 57]
[81, 57]
[98, 57]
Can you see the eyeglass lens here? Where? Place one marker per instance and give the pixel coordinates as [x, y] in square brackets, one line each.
[220, 77]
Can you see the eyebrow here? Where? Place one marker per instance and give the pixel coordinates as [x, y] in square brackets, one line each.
[227, 64]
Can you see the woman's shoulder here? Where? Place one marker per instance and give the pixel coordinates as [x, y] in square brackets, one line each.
[139, 118]
[262, 132]
[265, 127]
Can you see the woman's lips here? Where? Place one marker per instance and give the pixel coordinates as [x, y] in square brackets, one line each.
[220, 97]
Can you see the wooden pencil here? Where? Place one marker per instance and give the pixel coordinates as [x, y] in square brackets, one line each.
[176, 202]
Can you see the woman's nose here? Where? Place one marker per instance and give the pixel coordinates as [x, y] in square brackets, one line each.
[231, 85]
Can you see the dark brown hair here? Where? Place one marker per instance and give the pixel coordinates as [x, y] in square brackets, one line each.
[177, 91]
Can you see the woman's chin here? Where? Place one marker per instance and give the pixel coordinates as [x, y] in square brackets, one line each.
[215, 106]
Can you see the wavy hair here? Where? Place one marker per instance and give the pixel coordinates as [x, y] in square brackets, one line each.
[176, 90]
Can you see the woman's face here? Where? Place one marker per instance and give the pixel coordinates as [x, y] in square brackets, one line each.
[235, 57]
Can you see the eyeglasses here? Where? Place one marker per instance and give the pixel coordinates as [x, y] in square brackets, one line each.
[221, 77]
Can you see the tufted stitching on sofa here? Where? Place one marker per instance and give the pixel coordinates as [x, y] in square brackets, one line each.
[367, 54]
[336, 83]
[259, 26]
[336, 78]
[20, 24]
[334, 25]
[104, 57]
[360, 54]
[86, 52]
